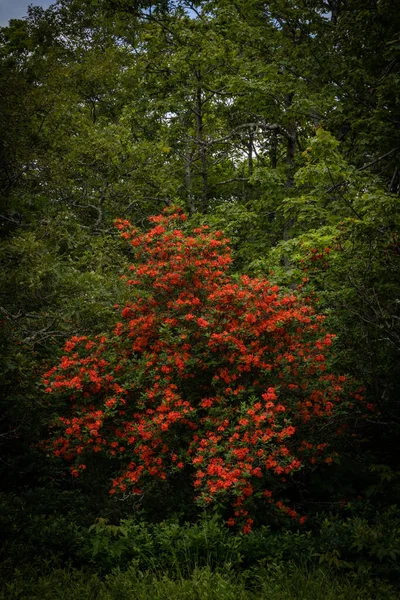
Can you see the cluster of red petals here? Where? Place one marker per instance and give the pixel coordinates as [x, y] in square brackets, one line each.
[223, 377]
[316, 259]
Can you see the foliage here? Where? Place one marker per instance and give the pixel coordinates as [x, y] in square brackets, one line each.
[346, 253]
[53, 280]
[279, 584]
[353, 554]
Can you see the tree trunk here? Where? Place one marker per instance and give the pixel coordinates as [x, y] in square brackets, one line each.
[274, 150]
[290, 157]
[188, 178]
[201, 145]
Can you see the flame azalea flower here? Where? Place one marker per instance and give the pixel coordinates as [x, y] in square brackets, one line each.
[223, 381]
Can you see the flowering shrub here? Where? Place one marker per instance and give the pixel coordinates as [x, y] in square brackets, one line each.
[223, 378]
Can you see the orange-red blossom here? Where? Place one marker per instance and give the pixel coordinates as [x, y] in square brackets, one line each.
[221, 377]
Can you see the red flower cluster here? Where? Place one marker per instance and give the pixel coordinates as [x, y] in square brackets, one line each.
[220, 376]
[316, 260]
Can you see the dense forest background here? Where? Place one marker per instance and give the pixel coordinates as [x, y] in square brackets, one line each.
[276, 122]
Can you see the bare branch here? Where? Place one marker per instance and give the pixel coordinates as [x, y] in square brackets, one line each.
[377, 160]
[231, 180]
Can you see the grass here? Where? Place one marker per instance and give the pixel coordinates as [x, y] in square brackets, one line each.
[277, 583]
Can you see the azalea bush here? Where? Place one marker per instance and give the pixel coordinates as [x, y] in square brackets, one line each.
[221, 379]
